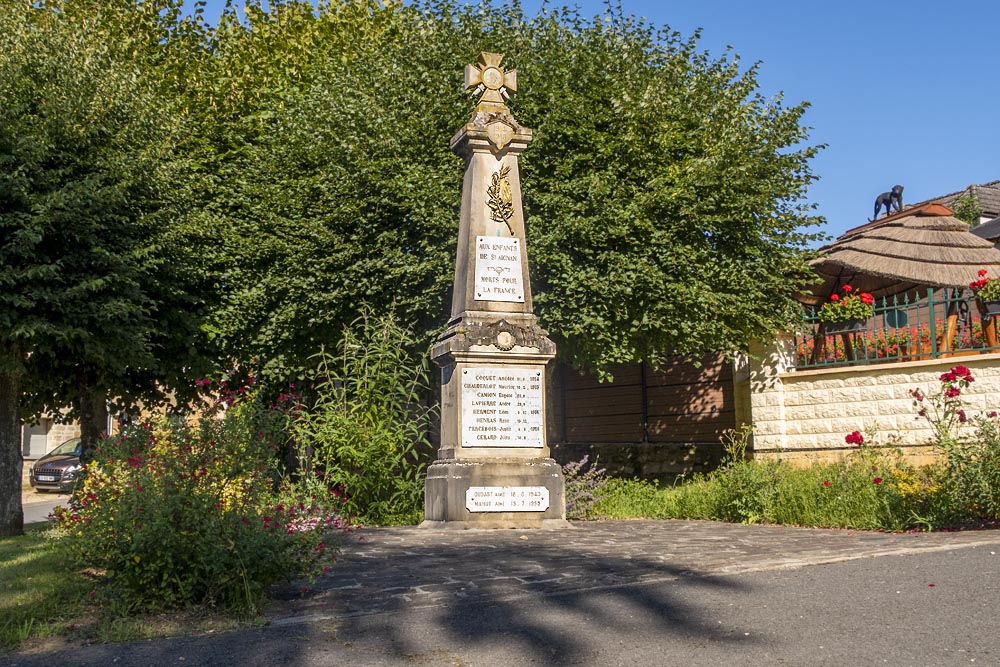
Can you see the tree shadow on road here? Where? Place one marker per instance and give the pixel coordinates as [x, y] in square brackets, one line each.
[496, 593]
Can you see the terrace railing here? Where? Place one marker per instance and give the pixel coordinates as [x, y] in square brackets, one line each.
[938, 324]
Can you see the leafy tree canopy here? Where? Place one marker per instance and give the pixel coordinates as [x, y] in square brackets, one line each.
[663, 193]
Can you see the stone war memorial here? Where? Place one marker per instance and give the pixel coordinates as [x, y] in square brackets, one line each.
[493, 468]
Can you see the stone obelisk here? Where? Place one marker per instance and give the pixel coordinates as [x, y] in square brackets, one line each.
[493, 468]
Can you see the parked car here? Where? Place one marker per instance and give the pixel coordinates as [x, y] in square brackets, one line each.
[57, 470]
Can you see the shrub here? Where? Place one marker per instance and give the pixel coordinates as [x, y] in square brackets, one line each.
[971, 473]
[180, 514]
[629, 499]
[584, 487]
[369, 425]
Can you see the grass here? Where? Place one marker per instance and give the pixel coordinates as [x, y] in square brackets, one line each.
[40, 591]
[868, 491]
[44, 598]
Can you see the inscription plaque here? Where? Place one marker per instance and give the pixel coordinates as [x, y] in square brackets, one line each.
[507, 499]
[502, 407]
[498, 269]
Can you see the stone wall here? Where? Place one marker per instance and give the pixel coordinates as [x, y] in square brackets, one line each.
[60, 433]
[803, 416]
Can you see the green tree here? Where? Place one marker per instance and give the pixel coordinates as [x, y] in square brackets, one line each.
[86, 167]
[664, 194]
[968, 209]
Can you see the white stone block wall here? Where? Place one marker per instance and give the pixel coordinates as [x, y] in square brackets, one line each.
[802, 411]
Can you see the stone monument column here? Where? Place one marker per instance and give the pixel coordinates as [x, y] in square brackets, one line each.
[493, 468]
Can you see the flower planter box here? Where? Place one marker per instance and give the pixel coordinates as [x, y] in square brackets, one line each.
[846, 326]
[992, 307]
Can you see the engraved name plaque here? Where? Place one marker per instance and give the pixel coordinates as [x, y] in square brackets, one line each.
[498, 269]
[502, 407]
[507, 499]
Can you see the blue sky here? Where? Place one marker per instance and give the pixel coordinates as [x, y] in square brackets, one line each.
[901, 92]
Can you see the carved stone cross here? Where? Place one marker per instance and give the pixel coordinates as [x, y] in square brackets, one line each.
[491, 81]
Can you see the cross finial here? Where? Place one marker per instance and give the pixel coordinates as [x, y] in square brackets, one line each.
[488, 79]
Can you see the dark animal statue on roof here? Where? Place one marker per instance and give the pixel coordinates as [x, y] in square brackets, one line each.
[890, 200]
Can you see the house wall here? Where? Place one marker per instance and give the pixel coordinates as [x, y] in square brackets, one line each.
[41, 438]
[803, 416]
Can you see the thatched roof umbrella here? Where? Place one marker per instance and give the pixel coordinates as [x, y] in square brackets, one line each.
[920, 247]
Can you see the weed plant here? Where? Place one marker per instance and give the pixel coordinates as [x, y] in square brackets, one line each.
[871, 488]
[368, 429]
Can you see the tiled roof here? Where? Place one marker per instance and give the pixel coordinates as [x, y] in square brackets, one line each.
[988, 230]
[988, 195]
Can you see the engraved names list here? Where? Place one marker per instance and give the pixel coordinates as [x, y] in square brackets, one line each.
[502, 407]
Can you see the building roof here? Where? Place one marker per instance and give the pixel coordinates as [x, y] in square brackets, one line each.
[923, 246]
[988, 230]
[988, 195]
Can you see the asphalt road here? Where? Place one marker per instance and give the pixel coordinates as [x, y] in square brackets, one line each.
[38, 506]
[930, 608]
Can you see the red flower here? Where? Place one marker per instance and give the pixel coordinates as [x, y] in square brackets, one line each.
[848, 288]
[877, 480]
[952, 392]
[834, 297]
[854, 438]
[826, 483]
[983, 272]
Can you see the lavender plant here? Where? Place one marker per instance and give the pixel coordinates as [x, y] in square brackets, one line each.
[584, 487]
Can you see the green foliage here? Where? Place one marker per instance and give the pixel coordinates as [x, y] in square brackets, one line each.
[633, 499]
[179, 515]
[649, 158]
[96, 302]
[847, 306]
[969, 476]
[968, 209]
[986, 288]
[368, 428]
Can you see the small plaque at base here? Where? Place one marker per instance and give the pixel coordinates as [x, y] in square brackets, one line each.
[507, 499]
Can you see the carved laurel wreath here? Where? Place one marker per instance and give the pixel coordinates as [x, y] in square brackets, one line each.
[501, 199]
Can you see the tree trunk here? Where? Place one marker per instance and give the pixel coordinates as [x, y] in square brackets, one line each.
[11, 464]
[93, 419]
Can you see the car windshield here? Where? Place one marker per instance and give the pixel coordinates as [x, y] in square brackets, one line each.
[68, 448]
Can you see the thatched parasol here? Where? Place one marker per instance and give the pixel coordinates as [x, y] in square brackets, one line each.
[920, 247]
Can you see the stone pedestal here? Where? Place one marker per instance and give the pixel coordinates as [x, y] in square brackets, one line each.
[493, 468]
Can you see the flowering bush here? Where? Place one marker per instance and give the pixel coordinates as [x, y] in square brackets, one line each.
[198, 514]
[584, 487]
[849, 306]
[944, 409]
[986, 288]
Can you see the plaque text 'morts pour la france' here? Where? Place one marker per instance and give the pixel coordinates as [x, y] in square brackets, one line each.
[502, 407]
[498, 269]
